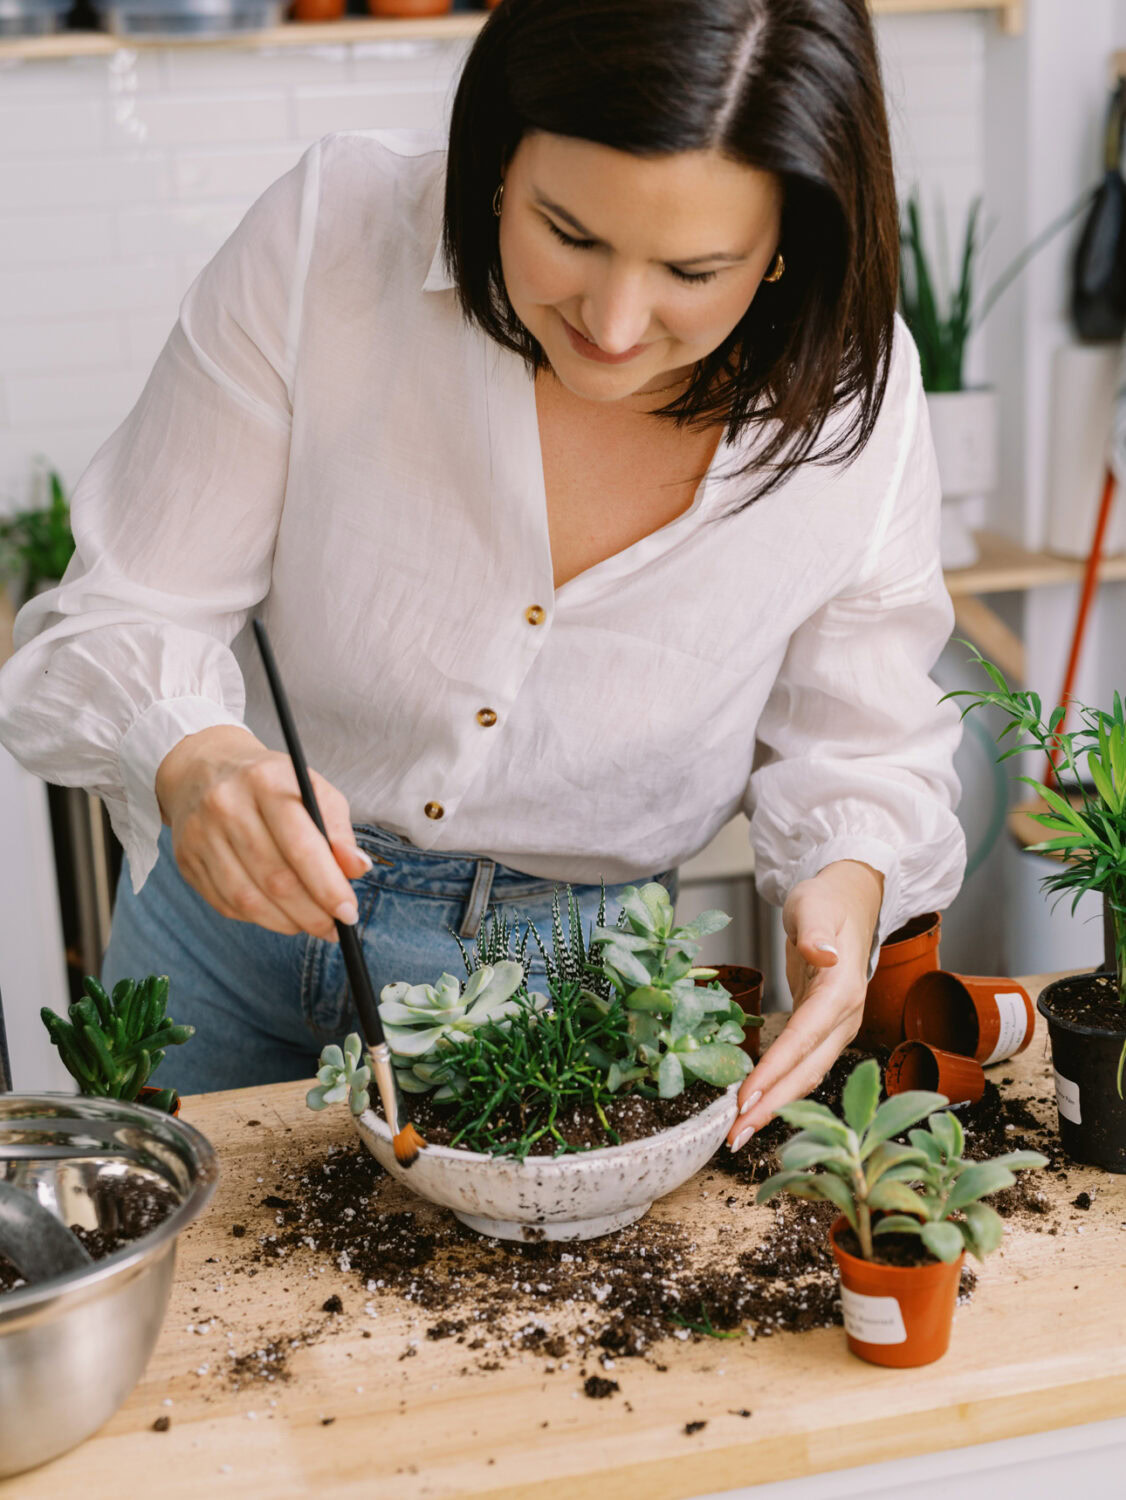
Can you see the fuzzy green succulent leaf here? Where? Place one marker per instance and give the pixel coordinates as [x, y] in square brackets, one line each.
[976, 1181]
[983, 1229]
[717, 1063]
[704, 925]
[943, 1241]
[896, 1114]
[861, 1095]
[947, 1131]
[670, 1076]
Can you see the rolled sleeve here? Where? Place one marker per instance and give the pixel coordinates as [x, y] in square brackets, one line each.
[855, 749]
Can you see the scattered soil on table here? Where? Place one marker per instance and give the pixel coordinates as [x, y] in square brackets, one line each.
[630, 1116]
[1091, 1000]
[126, 1208]
[587, 1305]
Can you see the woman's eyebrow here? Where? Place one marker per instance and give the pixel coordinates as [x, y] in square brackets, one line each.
[561, 213]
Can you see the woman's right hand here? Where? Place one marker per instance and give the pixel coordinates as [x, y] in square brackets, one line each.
[243, 840]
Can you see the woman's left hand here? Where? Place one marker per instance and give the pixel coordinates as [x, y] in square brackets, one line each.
[829, 924]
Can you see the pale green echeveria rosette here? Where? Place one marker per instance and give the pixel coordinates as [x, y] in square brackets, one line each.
[342, 1075]
[678, 1029]
[425, 1023]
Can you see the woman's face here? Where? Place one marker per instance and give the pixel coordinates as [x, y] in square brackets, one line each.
[628, 269]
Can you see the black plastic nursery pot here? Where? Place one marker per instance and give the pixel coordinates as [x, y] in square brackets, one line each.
[1085, 1056]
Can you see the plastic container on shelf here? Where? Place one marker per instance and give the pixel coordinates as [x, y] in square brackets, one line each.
[32, 17]
[195, 18]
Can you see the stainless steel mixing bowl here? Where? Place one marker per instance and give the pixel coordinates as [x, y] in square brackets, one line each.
[73, 1348]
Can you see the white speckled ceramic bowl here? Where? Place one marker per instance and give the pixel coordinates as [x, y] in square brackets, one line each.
[574, 1197]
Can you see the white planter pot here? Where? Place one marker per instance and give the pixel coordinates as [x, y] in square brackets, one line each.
[964, 428]
[573, 1197]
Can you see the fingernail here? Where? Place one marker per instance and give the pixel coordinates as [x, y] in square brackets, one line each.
[347, 912]
[752, 1100]
[742, 1138]
[365, 857]
[826, 948]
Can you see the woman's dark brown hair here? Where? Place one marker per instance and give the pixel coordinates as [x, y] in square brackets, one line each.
[788, 86]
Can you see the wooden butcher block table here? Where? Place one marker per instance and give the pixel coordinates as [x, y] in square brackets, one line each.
[1040, 1346]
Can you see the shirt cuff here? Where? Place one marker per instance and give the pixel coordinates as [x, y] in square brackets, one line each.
[145, 744]
[869, 851]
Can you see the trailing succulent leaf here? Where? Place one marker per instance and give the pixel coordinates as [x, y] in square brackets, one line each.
[678, 1031]
[915, 1188]
[342, 1074]
[112, 1043]
[425, 1023]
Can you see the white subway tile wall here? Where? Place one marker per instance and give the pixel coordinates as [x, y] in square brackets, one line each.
[120, 177]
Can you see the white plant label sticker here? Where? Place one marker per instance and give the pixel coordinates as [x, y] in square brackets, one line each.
[1013, 1016]
[872, 1320]
[1067, 1098]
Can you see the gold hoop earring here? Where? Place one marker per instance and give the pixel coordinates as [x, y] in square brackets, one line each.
[498, 199]
[777, 270]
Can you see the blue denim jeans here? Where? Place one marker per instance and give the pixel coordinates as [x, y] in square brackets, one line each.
[264, 1004]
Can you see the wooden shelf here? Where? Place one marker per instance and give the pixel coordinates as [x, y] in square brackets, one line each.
[356, 29]
[1005, 566]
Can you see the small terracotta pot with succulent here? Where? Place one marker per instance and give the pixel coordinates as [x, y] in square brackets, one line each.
[627, 1035]
[113, 1042]
[909, 1210]
[1086, 818]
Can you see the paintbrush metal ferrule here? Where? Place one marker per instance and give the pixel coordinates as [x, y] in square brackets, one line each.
[384, 1075]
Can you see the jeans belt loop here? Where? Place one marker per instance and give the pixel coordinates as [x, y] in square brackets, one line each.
[478, 902]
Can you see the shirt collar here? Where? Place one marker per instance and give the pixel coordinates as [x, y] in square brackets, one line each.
[438, 278]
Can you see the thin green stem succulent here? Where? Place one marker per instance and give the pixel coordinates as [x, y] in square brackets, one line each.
[112, 1043]
[916, 1189]
[342, 1074]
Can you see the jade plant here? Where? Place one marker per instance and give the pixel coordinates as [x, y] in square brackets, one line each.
[677, 1030]
[1086, 814]
[925, 1188]
[113, 1042]
[343, 1074]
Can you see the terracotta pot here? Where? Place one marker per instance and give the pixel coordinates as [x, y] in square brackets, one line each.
[975, 1015]
[744, 985]
[318, 10]
[909, 952]
[1085, 1059]
[402, 8]
[916, 1065]
[896, 1315]
[147, 1093]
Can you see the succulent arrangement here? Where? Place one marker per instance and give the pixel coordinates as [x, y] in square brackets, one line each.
[113, 1042]
[884, 1187]
[623, 1013]
[343, 1074]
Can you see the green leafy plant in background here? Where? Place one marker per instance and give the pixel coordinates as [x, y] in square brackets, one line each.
[678, 1030]
[36, 545]
[855, 1164]
[942, 317]
[342, 1074]
[1086, 816]
[112, 1043]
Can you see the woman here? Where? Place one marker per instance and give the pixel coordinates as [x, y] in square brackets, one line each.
[584, 483]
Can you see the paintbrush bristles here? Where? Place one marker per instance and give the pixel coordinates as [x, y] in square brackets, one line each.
[408, 1143]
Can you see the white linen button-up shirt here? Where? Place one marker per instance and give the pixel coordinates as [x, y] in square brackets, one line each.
[325, 441]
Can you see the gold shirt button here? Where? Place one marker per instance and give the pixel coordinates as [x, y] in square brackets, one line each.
[486, 718]
[434, 810]
[534, 614]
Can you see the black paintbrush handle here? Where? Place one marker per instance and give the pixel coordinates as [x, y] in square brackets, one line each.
[358, 977]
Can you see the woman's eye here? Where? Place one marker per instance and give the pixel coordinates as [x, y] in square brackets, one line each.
[568, 239]
[697, 277]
